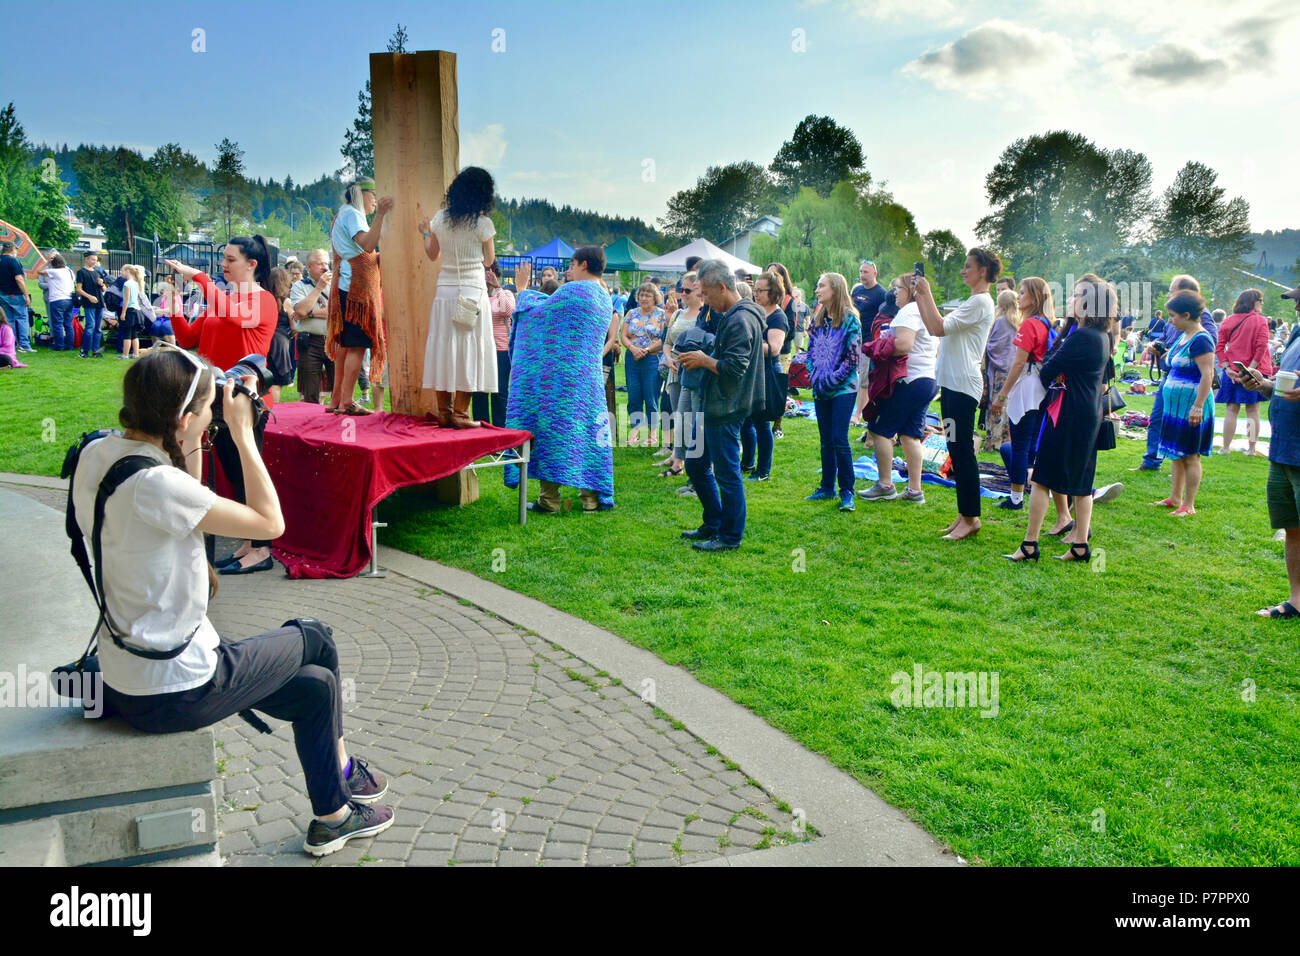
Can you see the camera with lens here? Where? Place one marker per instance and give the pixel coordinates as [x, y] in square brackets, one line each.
[249, 365]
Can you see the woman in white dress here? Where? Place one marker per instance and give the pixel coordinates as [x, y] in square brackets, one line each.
[460, 357]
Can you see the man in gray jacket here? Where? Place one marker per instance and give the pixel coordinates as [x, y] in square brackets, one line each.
[734, 388]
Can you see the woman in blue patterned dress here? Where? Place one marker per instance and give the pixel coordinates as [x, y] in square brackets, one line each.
[1187, 429]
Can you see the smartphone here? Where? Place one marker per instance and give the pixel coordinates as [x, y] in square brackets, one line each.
[919, 270]
[1241, 369]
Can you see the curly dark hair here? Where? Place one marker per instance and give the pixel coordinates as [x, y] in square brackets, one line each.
[471, 194]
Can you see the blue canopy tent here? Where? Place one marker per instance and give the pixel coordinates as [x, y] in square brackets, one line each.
[555, 253]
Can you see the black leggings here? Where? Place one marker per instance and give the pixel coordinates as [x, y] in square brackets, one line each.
[228, 455]
[287, 674]
[958, 412]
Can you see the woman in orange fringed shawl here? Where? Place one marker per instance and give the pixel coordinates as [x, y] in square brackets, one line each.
[355, 311]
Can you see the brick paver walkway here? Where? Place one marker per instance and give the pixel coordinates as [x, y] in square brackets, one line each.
[499, 748]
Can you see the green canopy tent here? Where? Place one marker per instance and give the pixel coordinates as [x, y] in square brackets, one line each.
[625, 256]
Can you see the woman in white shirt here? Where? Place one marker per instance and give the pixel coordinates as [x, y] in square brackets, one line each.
[961, 384]
[903, 412]
[460, 357]
[165, 668]
[58, 283]
[132, 326]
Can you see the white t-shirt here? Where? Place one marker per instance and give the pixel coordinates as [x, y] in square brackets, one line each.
[965, 333]
[60, 284]
[462, 250]
[347, 224]
[921, 360]
[155, 568]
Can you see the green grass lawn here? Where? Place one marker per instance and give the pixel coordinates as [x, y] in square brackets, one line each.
[1145, 716]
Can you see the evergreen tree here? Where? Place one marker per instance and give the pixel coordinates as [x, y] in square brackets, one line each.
[358, 147]
[230, 202]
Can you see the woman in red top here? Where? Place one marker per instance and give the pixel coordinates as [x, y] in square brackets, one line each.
[1243, 337]
[1034, 336]
[233, 325]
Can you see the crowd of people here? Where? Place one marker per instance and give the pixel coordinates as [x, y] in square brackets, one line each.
[709, 363]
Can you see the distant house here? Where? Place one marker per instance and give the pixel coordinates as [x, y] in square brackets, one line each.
[738, 245]
[89, 238]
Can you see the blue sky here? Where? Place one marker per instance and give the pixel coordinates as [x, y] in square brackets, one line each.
[583, 95]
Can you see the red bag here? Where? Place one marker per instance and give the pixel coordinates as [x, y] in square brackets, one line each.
[78, 330]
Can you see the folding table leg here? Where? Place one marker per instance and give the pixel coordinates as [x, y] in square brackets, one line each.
[375, 524]
[523, 482]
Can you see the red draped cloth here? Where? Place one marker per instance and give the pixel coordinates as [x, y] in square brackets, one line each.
[331, 470]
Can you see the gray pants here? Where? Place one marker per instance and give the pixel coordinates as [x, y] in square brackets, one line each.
[284, 674]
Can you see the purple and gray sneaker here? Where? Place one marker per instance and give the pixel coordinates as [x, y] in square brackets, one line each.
[365, 785]
[324, 838]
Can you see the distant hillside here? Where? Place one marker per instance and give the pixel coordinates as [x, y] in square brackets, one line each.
[1281, 251]
[533, 222]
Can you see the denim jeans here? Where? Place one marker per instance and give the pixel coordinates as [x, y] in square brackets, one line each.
[92, 339]
[62, 335]
[756, 446]
[15, 307]
[689, 434]
[1152, 458]
[1024, 442]
[723, 499]
[642, 390]
[833, 416]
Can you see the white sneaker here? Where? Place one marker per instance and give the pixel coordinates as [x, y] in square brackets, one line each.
[1107, 493]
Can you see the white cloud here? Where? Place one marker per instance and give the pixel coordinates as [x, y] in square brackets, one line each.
[486, 147]
[994, 56]
[931, 12]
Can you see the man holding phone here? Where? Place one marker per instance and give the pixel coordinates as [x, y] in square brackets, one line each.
[1283, 490]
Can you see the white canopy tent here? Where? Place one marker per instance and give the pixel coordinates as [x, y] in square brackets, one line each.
[675, 261]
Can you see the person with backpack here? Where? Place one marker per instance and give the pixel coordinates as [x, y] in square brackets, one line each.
[1022, 393]
[136, 498]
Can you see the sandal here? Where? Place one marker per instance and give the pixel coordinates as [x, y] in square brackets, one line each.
[1074, 554]
[355, 408]
[1285, 609]
[1028, 551]
[672, 472]
[1167, 503]
[1183, 512]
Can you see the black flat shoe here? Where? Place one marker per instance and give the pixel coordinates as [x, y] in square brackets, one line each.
[537, 508]
[698, 534]
[1011, 505]
[266, 565]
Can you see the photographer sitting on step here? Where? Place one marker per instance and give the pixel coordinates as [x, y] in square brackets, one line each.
[165, 668]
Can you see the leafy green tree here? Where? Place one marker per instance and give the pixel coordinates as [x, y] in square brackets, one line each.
[819, 154]
[720, 204]
[33, 197]
[835, 233]
[126, 195]
[945, 255]
[358, 144]
[188, 176]
[229, 204]
[1061, 203]
[1200, 231]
